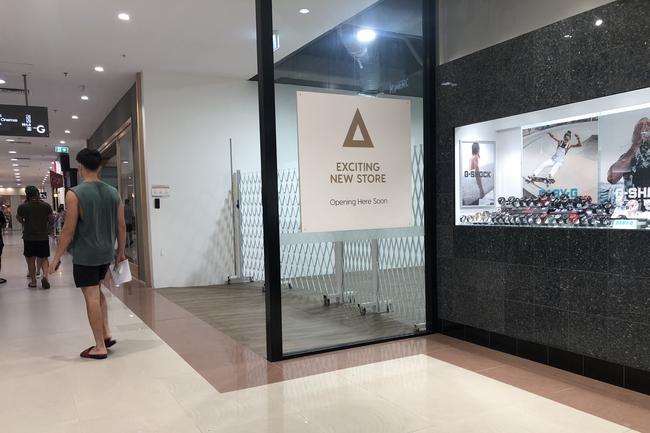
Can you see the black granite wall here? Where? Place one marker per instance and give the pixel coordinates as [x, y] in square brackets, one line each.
[580, 290]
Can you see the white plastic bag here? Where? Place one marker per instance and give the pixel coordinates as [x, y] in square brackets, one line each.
[121, 273]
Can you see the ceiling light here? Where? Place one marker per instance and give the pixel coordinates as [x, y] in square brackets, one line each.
[366, 35]
[99, 69]
[125, 162]
[67, 131]
[10, 140]
[14, 165]
[568, 36]
[2, 81]
[75, 117]
[124, 16]
[12, 151]
[599, 22]
[62, 141]
[14, 159]
[304, 11]
[16, 169]
[84, 97]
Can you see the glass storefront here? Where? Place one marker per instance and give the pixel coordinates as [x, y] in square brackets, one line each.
[349, 122]
[119, 171]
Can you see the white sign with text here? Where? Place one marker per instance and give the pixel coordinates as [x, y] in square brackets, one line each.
[355, 162]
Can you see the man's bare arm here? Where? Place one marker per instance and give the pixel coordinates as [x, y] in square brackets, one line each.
[67, 234]
[620, 167]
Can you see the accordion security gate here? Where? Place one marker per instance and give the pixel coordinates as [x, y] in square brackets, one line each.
[380, 271]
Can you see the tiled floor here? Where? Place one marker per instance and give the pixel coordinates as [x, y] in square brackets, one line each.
[145, 386]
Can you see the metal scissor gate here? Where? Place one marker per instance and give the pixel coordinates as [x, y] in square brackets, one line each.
[380, 271]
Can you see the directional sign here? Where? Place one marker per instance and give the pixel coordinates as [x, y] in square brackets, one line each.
[61, 149]
[24, 121]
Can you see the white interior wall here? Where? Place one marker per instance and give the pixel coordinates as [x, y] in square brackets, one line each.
[507, 134]
[467, 26]
[188, 121]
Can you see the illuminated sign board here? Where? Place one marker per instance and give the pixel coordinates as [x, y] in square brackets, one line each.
[24, 121]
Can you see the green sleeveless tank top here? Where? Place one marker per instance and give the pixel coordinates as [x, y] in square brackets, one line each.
[96, 232]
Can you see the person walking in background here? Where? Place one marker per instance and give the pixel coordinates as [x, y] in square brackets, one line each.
[129, 219]
[37, 217]
[94, 219]
[7, 213]
[3, 224]
[60, 219]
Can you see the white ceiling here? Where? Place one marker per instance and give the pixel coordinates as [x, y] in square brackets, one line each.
[47, 38]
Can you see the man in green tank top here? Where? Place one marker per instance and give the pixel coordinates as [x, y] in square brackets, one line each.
[94, 221]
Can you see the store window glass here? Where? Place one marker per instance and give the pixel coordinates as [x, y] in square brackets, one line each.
[349, 88]
[127, 192]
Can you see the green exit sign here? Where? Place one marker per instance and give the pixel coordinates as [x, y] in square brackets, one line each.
[62, 149]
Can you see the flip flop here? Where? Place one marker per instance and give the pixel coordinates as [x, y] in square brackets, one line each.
[2, 281]
[45, 283]
[109, 342]
[31, 285]
[86, 354]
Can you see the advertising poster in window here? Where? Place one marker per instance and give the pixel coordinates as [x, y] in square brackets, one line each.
[561, 158]
[477, 173]
[354, 157]
[625, 162]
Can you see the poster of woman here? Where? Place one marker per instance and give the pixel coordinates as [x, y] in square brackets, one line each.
[477, 173]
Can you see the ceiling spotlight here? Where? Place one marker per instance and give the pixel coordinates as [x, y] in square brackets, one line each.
[599, 22]
[16, 169]
[75, 117]
[2, 81]
[304, 11]
[14, 159]
[67, 131]
[12, 151]
[10, 140]
[124, 16]
[125, 162]
[99, 69]
[568, 36]
[14, 165]
[84, 98]
[62, 142]
[366, 35]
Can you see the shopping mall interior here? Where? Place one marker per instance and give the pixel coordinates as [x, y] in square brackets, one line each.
[407, 216]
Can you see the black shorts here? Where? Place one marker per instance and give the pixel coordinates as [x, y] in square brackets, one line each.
[40, 249]
[129, 228]
[89, 276]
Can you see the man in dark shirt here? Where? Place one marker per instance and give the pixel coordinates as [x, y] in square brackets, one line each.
[37, 217]
[3, 223]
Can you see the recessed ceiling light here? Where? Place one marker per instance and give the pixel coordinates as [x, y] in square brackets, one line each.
[16, 169]
[12, 151]
[125, 162]
[62, 142]
[366, 35]
[14, 165]
[568, 36]
[99, 69]
[67, 131]
[2, 81]
[599, 22]
[10, 140]
[14, 159]
[84, 98]
[124, 16]
[75, 117]
[304, 11]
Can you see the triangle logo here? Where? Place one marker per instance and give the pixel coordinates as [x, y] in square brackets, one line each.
[358, 125]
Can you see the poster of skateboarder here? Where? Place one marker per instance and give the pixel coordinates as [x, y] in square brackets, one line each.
[561, 158]
[477, 160]
[625, 157]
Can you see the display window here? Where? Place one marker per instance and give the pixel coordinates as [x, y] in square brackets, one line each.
[580, 165]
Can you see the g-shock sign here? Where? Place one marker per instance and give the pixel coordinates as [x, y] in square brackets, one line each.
[24, 121]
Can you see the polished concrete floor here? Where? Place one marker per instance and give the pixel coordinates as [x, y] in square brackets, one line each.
[307, 324]
[172, 372]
